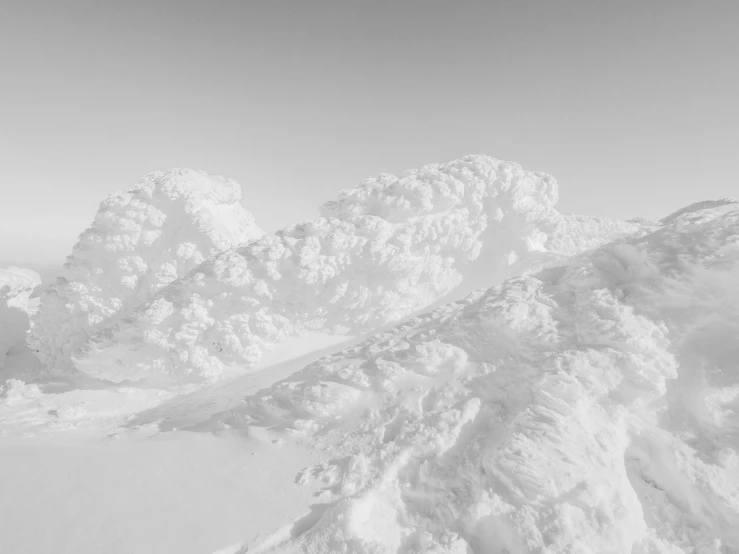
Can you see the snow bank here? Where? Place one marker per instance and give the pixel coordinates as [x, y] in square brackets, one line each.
[16, 286]
[379, 253]
[140, 240]
[592, 407]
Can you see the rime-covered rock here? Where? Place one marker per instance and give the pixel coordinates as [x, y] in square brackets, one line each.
[380, 252]
[16, 286]
[141, 240]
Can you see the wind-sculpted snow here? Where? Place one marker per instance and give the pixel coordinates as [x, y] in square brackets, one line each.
[699, 209]
[588, 408]
[140, 241]
[16, 286]
[379, 253]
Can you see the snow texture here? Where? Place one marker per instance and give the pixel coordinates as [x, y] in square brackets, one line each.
[16, 286]
[379, 253]
[587, 408]
[723, 203]
[589, 404]
[140, 240]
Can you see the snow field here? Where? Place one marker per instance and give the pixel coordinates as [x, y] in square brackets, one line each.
[589, 403]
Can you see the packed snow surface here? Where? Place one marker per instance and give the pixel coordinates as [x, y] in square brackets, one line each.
[140, 240]
[379, 253]
[587, 404]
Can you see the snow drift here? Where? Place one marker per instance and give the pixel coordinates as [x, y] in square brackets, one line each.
[589, 407]
[16, 286]
[379, 253]
[140, 240]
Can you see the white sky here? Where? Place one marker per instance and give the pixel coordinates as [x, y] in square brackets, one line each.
[631, 105]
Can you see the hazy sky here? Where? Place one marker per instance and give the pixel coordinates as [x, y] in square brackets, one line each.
[632, 106]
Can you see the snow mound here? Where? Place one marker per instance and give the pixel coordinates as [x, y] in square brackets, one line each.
[16, 286]
[380, 252]
[140, 240]
[592, 407]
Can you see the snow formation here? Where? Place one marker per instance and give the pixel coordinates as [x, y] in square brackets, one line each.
[588, 404]
[16, 286]
[379, 253]
[140, 240]
[587, 408]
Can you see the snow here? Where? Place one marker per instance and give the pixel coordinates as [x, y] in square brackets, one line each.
[698, 208]
[16, 286]
[140, 240]
[183, 493]
[381, 252]
[585, 399]
[592, 407]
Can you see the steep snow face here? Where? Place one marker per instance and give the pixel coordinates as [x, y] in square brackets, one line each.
[16, 286]
[586, 408]
[380, 252]
[140, 240]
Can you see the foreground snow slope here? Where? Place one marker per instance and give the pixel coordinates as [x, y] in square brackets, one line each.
[140, 240]
[16, 286]
[380, 252]
[180, 493]
[592, 407]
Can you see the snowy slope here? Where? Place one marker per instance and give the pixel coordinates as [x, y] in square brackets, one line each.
[381, 252]
[592, 407]
[140, 240]
[16, 286]
[180, 493]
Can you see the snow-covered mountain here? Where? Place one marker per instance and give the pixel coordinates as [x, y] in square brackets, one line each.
[585, 401]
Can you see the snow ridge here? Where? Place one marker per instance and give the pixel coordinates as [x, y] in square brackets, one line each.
[139, 241]
[380, 252]
[586, 408]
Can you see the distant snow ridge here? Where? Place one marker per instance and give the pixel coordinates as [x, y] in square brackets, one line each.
[16, 286]
[588, 408]
[699, 208]
[380, 252]
[140, 240]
